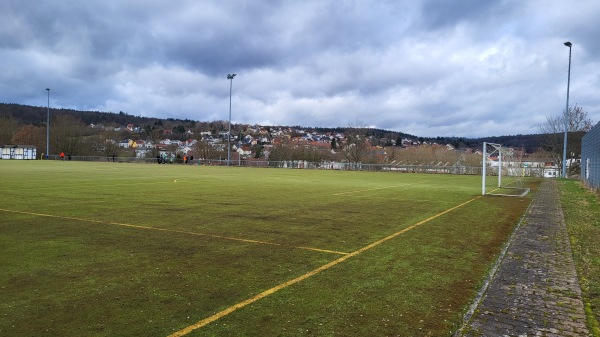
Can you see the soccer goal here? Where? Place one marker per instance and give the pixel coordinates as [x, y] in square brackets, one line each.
[502, 171]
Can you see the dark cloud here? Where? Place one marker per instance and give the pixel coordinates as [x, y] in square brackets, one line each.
[440, 14]
[427, 67]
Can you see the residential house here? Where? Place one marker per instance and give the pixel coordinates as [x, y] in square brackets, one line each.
[244, 151]
[184, 149]
[191, 142]
[139, 144]
[125, 143]
[142, 152]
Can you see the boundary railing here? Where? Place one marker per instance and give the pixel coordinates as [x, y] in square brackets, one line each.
[301, 164]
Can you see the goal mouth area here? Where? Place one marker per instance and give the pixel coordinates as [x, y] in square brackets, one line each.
[507, 191]
[505, 165]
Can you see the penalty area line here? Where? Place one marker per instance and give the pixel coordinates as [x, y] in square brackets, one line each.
[176, 231]
[378, 188]
[271, 291]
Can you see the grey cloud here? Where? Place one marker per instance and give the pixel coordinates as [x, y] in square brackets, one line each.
[440, 14]
[430, 67]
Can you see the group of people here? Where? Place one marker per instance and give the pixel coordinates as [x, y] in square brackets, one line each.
[163, 159]
[159, 159]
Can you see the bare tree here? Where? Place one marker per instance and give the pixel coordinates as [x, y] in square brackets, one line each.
[553, 133]
[282, 151]
[102, 143]
[430, 155]
[356, 146]
[206, 150]
[541, 156]
[473, 159]
[8, 126]
[392, 155]
[155, 135]
[30, 135]
[111, 148]
[109, 138]
[67, 134]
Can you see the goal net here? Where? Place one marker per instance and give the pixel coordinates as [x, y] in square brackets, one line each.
[502, 171]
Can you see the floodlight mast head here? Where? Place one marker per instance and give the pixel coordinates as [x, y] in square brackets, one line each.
[568, 44]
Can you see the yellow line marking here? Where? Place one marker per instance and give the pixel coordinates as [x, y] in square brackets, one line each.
[375, 189]
[268, 292]
[168, 180]
[176, 231]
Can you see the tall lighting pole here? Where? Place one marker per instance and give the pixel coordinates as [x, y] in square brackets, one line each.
[564, 166]
[230, 78]
[48, 126]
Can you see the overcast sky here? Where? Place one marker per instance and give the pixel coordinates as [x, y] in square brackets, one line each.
[465, 68]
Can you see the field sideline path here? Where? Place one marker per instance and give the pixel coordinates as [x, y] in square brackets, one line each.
[535, 291]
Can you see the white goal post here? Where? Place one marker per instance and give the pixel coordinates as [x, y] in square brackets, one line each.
[508, 168]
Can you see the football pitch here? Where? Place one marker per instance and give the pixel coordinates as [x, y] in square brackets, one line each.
[115, 249]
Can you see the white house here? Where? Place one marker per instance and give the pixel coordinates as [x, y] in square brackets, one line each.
[21, 152]
[124, 143]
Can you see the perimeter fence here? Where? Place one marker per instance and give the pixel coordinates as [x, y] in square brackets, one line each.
[590, 158]
[324, 165]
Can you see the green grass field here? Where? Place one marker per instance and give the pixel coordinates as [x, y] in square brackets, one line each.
[107, 249]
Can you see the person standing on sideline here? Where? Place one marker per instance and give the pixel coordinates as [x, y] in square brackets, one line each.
[62, 156]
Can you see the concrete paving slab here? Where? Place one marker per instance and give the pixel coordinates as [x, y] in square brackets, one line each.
[535, 290]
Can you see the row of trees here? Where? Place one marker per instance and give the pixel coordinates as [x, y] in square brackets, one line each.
[68, 135]
[356, 147]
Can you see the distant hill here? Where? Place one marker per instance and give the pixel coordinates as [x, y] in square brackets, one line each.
[530, 143]
[25, 114]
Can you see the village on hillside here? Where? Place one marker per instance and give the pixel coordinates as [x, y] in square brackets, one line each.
[250, 142]
[89, 135]
[260, 144]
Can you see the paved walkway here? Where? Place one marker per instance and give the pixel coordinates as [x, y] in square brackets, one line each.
[535, 291]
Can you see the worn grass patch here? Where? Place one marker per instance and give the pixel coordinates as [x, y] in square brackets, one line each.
[581, 209]
[138, 249]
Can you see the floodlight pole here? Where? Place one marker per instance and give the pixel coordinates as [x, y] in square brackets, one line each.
[48, 126]
[483, 173]
[499, 167]
[567, 115]
[230, 78]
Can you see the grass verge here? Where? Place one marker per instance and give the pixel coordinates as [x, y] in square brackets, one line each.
[581, 209]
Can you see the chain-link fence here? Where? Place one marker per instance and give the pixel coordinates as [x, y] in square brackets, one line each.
[325, 165]
[590, 157]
